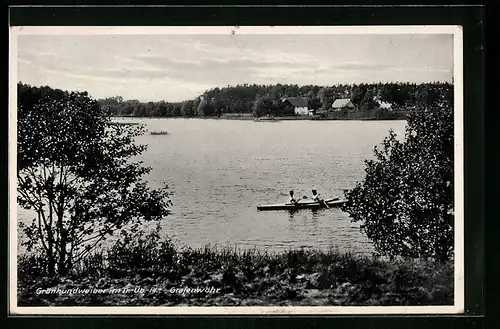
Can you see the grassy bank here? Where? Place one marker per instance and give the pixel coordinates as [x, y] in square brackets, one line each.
[232, 277]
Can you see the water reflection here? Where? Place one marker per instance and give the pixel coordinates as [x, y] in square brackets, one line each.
[292, 213]
[314, 213]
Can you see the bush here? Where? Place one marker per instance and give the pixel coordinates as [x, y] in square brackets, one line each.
[405, 202]
[141, 252]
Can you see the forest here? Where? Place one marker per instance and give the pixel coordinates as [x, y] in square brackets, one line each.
[261, 100]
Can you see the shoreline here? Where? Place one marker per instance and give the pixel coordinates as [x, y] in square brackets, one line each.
[277, 119]
[170, 276]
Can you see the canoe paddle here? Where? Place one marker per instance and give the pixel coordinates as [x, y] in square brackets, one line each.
[324, 203]
[320, 201]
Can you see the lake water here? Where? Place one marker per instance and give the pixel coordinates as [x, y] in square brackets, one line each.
[220, 170]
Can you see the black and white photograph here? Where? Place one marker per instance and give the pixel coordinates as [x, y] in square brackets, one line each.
[236, 170]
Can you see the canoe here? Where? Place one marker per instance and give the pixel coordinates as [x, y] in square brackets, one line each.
[302, 204]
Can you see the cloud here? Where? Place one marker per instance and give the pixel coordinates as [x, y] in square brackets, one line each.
[174, 67]
[360, 66]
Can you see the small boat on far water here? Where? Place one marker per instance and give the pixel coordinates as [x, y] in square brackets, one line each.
[159, 132]
[303, 204]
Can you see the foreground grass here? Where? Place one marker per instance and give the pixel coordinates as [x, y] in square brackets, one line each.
[233, 278]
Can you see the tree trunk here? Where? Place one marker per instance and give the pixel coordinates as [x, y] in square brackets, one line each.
[62, 268]
[63, 234]
[63, 239]
[49, 248]
[51, 266]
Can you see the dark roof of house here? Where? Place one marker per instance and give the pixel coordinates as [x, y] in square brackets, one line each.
[296, 101]
[271, 97]
[341, 102]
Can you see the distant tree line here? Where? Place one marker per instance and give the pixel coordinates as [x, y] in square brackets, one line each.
[261, 100]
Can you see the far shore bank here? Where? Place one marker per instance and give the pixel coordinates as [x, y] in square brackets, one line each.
[265, 119]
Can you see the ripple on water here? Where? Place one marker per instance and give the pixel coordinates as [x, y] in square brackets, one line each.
[220, 170]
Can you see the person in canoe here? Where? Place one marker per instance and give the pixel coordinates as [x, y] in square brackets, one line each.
[317, 197]
[292, 199]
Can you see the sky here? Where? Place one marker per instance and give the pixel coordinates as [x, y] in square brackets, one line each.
[180, 67]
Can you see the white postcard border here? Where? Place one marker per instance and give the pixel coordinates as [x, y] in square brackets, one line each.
[459, 283]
